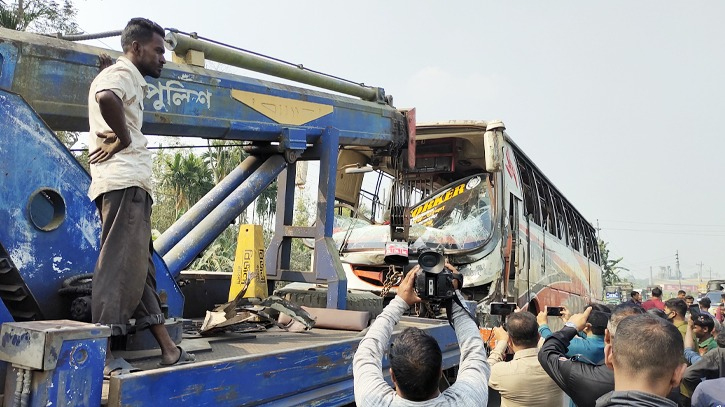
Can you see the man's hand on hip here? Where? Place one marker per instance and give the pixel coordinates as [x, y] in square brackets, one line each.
[110, 146]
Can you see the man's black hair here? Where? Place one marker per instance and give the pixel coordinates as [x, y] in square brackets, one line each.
[682, 292]
[620, 312]
[705, 321]
[677, 305]
[416, 360]
[657, 292]
[658, 312]
[140, 30]
[598, 318]
[720, 339]
[656, 359]
[705, 302]
[633, 293]
[689, 297]
[523, 329]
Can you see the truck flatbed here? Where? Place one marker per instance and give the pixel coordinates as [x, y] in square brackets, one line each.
[275, 367]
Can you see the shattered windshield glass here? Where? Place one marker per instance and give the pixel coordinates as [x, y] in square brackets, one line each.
[456, 217]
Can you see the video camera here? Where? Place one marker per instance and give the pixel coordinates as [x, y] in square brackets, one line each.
[435, 281]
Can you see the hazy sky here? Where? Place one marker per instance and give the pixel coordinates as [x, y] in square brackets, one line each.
[617, 102]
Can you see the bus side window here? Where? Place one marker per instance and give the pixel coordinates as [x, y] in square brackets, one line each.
[573, 230]
[580, 233]
[540, 189]
[560, 221]
[550, 209]
[531, 206]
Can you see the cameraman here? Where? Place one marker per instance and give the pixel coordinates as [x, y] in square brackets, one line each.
[416, 359]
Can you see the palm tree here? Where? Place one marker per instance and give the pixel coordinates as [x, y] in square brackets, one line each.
[188, 178]
[610, 267]
[266, 205]
[222, 159]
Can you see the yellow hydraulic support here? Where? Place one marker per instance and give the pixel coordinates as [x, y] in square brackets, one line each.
[249, 264]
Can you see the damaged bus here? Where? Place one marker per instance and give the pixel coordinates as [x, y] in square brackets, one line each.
[475, 197]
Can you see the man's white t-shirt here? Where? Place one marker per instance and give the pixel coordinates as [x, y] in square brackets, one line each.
[130, 167]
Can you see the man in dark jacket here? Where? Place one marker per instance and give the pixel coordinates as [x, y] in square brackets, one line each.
[635, 300]
[644, 375]
[582, 381]
[711, 366]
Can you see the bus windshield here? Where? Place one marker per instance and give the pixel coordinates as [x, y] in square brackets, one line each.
[456, 217]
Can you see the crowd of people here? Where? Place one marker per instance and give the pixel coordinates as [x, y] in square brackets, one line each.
[652, 353]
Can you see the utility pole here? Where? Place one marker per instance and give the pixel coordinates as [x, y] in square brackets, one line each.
[710, 269]
[650, 275]
[677, 265]
[699, 273]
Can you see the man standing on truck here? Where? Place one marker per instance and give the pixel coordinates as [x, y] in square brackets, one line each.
[416, 359]
[124, 281]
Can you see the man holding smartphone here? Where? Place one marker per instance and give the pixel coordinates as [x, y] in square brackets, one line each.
[589, 343]
[521, 381]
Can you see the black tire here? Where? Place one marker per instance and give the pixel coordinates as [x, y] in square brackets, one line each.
[317, 298]
[80, 284]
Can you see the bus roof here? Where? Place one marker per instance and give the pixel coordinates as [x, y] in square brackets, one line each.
[453, 128]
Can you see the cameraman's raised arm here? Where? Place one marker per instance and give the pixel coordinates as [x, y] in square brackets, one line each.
[370, 387]
[474, 371]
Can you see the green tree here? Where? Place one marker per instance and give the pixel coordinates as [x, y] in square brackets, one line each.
[266, 206]
[610, 267]
[301, 256]
[69, 139]
[41, 16]
[182, 178]
[222, 158]
[188, 178]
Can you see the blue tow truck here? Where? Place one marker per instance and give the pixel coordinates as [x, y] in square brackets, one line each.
[50, 231]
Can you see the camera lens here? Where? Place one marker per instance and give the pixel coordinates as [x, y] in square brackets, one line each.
[428, 260]
[431, 261]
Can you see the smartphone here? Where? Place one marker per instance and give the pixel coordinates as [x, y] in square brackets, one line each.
[554, 311]
[694, 310]
[502, 308]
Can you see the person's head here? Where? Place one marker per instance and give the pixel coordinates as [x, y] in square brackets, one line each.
[720, 339]
[143, 44]
[646, 355]
[620, 312]
[702, 326]
[415, 364]
[681, 294]
[657, 312]
[636, 296]
[598, 319]
[657, 292]
[705, 303]
[689, 300]
[523, 330]
[675, 309]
